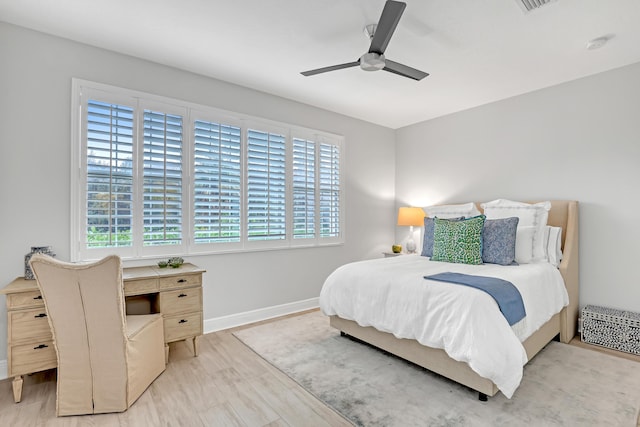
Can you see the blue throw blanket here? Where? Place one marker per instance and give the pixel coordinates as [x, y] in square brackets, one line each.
[505, 293]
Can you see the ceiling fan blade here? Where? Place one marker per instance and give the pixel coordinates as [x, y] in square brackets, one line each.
[386, 26]
[404, 70]
[331, 68]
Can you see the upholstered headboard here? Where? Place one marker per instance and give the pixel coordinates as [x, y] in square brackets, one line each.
[564, 213]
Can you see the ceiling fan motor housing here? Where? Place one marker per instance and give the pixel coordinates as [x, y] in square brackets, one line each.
[380, 34]
[372, 61]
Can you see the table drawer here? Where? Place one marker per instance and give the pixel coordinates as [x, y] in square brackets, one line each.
[24, 300]
[140, 286]
[181, 301]
[182, 281]
[33, 357]
[28, 325]
[182, 326]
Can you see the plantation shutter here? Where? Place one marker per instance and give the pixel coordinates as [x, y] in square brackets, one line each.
[109, 180]
[217, 182]
[266, 186]
[162, 179]
[304, 189]
[153, 176]
[330, 197]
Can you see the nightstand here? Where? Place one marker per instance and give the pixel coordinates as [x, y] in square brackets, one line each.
[391, 254]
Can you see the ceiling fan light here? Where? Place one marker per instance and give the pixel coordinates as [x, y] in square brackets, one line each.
[372, 61]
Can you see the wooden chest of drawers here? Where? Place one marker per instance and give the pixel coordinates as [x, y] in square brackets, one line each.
[30, 343]
[176, 293]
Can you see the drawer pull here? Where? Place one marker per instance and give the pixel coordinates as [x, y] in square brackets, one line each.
[182, 280]
[41, 346]
[38, 297]
[182, 295]
[183, 321]
[40, 315]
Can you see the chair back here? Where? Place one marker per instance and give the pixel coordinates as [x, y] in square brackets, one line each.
[85, 307]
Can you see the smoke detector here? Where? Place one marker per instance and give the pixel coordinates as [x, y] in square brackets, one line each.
[531, 5]
[599, 42]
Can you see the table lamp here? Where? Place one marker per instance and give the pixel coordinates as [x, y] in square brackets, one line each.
[411, 216]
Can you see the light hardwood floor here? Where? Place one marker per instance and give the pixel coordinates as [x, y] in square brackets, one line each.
[226, 385]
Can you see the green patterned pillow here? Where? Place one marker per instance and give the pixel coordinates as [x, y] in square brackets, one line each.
[458, 241]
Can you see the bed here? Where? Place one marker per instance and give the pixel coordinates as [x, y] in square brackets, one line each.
[460, 364]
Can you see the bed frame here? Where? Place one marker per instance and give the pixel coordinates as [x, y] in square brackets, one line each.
[563, 213]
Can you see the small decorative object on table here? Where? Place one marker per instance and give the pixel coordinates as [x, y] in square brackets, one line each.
[608, 327]
[47, 250]
[175, 262]
[396, 249]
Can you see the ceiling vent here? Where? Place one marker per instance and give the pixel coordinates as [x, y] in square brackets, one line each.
[531, 5]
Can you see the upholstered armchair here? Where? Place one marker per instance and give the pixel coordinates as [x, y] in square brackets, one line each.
[106, 359]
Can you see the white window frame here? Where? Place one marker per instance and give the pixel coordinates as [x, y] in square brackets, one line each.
[83, 90]
[78, 194]
[306, 241]
[161, 250]
[318, 139]
[323, 139]
[211, 116]
[265, 244]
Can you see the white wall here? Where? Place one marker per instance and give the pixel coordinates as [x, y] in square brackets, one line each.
[579, 140]
[35, 84]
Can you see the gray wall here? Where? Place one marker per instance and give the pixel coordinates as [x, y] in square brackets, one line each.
[35, 84]
[579, 140]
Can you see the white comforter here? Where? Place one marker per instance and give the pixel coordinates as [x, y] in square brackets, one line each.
[392, 295]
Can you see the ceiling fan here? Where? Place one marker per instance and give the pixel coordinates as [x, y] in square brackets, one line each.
[380, 36]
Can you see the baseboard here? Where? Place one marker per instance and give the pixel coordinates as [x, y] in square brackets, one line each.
[3, 369]
[239, 319]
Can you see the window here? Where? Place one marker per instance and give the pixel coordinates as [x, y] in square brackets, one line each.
[217, 183]
[162, 178]
[304, 188]
[266, 186]
[109, 175]
[330, 206]
[158, 176]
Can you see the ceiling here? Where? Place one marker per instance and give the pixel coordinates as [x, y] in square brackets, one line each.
[476, 51]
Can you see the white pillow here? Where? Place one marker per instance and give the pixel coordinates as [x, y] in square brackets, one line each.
[535, 215]
[466, 210]
[524, 244]
[554, 245]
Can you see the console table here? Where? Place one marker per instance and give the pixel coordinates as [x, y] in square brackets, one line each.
[174, 292]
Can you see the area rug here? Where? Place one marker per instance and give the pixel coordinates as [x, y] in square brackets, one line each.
[563, 385]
